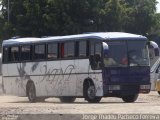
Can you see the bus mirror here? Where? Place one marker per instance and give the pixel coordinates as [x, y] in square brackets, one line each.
[157, 71]
[156, 52]
[105, 48]
[92, 61]
[95, 61]
[154, 48]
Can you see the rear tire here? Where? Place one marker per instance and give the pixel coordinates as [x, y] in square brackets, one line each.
[40, 100]
[31, 92]
[130, 98]
[90, 93]
[158, 92]
[67, 99]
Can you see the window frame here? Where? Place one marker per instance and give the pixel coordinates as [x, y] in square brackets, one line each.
[57, 53]
[97, 67]
[74, 51]
[87, 49]
[10, 60]
[33, 52]
[6, 60]
[119, 64]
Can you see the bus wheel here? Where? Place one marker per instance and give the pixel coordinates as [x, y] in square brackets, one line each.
[90, 93]
[31, 93]
[67, 99]
[159, 92]
[40, 99]
[130, 98]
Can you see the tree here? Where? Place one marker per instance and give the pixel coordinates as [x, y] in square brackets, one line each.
[141, 16]
[62, 17]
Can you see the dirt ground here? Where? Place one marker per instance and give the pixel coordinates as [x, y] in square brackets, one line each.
[19, 108]
[145, 104]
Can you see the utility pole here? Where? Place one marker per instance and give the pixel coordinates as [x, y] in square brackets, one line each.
[8, 11]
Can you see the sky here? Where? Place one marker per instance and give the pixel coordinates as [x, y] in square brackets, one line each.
[158, 6]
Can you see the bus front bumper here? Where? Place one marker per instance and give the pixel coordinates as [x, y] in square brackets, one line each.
[117, 90]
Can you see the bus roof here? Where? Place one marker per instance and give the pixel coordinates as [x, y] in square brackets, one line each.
[97, 35]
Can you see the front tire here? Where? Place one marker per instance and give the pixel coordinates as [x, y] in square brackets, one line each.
[67, 99]
[130, 98]
[31, 92]
[40, 99]
[90, 93]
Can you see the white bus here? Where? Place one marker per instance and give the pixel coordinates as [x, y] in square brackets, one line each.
[154, 63]
[70, 67]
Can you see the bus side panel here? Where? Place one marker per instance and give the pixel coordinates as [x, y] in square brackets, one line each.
[5, 69]
[60, 79]
[68, 84]
[96, 76]
[82, 66]
[14, 82]
[53, 79]
[38, 71]
[84, 72]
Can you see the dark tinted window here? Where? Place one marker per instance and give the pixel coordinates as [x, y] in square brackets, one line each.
[62, 50]
[82, 49]
[39, 52]
[52, 51]
[14, 54]
[69, 49]
[5, 54]
[95, 55]
[138, 53]
[98, 49]
[91, 48]
[117, 54]
[26, 52]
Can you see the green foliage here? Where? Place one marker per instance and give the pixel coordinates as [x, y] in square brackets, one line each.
[61, 17]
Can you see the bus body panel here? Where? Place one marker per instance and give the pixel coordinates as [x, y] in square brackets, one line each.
[128, 79]
[5, 69]
[14, 86]
[52, 78]
[14, 81]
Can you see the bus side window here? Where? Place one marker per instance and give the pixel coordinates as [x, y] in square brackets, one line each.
[52, 51]
[69, 49]
[82, 49]
[98, 49]
[39, 52]
[95, 55]
[61, 50]
[91, 48]
[26, 52]
[14, 54]
[5, 54]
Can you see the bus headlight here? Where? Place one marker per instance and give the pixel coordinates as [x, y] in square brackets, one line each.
[114, 87]
[145, 87]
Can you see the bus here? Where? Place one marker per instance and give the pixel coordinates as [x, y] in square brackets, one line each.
[76, 66]
[154, 64]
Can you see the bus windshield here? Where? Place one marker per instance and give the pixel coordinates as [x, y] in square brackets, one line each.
[138, 53]
[130, 53]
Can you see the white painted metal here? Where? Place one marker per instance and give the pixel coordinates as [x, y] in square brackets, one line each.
[52, 78]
